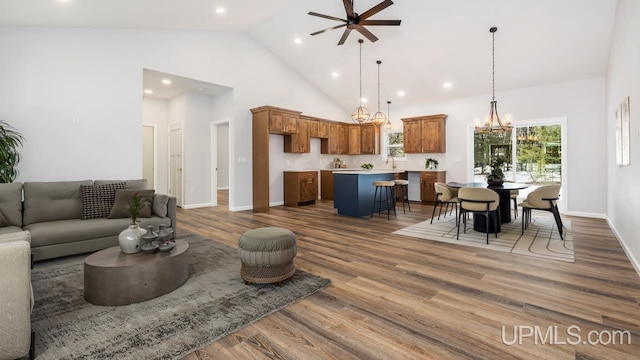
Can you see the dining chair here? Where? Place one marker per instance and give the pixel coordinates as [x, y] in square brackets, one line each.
[445, 195]
[542, 198]
[479, 201]
[514, 197]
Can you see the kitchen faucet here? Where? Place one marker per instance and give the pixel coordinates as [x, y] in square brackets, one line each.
[393, 162]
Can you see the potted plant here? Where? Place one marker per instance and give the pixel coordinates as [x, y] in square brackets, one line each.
[130, 238]
[496, 175]
[10, 141]
[431, 163]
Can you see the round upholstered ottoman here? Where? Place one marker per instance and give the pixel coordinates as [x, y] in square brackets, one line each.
[267, 255]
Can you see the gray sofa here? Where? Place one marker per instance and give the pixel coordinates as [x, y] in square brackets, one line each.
[52, 211]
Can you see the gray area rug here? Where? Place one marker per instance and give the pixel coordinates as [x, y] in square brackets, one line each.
[540, 239]
[211, 304]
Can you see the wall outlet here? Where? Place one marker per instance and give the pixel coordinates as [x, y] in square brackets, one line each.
[242, 159]
[76, 118]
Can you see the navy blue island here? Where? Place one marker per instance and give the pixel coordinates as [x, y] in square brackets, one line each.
[353, 190]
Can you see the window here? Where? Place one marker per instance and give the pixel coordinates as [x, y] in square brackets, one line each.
[395, 144]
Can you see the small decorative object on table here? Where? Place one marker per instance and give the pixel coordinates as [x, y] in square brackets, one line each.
[129, 238]
[148, 245]
[367, 166]
[496, 176]
[431, 163]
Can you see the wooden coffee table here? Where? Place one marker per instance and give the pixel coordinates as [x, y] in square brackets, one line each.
[113, 278]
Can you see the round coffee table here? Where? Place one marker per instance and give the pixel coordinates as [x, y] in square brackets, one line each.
[113, 278]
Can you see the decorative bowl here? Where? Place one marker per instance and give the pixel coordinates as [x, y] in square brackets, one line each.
[166, 247]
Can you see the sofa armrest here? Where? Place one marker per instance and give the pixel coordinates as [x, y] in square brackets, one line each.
[171, 213]
[16, 236]
[16, 298]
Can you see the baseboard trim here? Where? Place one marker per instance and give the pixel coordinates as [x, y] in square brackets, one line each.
[276, 203]
[241, 208]
[196, 206]
[585, 214]
[634, 262]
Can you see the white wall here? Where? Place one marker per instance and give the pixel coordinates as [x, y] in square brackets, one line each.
[50, 75]
[197, 151]
[581, 102]
[154, 112]
[622, 81]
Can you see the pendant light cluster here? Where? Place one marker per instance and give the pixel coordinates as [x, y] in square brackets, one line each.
[361, 114]
[489, 121]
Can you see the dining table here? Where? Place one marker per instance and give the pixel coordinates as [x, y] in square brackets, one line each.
[504, 192]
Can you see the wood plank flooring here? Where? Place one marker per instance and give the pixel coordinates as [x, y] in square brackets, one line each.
[396, 297]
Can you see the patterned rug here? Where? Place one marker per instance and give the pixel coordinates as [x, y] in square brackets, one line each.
[540, 240]
[212, 303]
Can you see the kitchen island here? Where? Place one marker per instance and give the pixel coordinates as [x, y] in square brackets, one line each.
[353, 190]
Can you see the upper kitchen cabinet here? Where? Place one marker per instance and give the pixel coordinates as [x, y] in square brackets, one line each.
[355, 138]
[425, 134]
[299, 142]
[338, 140]
[370, 133]
[281, 121]
[318, 128]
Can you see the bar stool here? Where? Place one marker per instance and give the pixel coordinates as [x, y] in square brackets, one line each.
[388, 188]
[404, 190]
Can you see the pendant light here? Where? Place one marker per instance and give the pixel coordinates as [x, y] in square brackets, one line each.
[360, 115]
[379, 118]
[488, 121]
[387, 125]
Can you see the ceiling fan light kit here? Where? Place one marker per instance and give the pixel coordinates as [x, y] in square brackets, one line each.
[487, 125]
[355, 21]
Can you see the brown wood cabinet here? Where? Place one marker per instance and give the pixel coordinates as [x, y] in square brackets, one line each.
[318, 128]
[427, 179]
[338, 140]
[355, 139]
[283, 122]
[299, 142]
[300, 187]
[425, 134]
[326, 184]
[370, 135]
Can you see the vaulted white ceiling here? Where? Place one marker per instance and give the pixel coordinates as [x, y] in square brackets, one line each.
[538, 41]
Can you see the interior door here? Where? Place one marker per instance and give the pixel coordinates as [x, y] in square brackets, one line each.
[176, 163]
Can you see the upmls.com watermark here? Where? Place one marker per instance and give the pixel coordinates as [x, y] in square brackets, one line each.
[552, 335]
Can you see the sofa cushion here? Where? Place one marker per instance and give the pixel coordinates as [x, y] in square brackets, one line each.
[51, 201]
[67, 231]
[11, 203]
[10, 230]
[160, 203]
[97, 200]
[120, 207]
[3, 221]
[139, 184]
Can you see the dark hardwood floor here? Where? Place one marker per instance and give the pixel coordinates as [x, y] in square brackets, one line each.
[396, 297]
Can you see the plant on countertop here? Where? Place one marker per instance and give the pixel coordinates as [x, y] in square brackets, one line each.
[431, 163]
[134, 208]
[367, 166]
[10, 140]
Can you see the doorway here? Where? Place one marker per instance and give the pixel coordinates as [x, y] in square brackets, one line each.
[149, 155]
[220, 164]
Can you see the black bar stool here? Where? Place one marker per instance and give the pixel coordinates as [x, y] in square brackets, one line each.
[388, 188]
[404, 190]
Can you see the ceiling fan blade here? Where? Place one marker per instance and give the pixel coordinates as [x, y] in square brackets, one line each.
[326, 17]
[348, 8]
[376, 9]
[380, 22]
[327, 29]
[362, 30]
[345, 34]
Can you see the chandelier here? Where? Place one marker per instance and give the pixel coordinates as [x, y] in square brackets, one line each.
[489, 121]
[360, 115]
[379, 118]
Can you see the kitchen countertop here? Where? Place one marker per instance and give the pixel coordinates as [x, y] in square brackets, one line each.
[369, 172]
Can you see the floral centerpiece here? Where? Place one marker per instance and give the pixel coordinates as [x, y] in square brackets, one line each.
[496, 174]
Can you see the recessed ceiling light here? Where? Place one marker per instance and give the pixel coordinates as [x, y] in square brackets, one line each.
[364, 100]
[335, 74]
[201, 89]
[447, 85]
[63, 1]
[401, 93]
[220, 10]
[166, 81]
[148, 91]
[297, 41]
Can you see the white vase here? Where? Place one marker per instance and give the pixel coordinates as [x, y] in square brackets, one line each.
[129, 239]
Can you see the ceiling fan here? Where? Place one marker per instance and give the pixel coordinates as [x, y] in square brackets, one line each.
[355, 21]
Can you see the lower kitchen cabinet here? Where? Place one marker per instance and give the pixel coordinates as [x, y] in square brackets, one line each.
[300, 187]
[427, 179]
